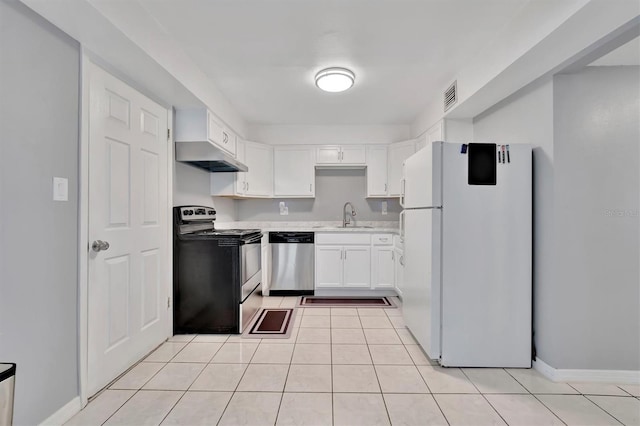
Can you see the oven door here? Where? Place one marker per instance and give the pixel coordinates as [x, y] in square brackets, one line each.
[250, 279]
[250, 260]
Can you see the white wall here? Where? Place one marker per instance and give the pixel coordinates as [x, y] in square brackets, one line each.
[339, 134]
[584, 129]
[39, 90]
[191, 186]
[333, 189]
[527, 117]
[597, 141]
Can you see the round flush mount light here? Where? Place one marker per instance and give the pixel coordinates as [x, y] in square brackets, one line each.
[335, 79]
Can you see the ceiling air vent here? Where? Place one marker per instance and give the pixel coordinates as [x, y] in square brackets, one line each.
[451, 95]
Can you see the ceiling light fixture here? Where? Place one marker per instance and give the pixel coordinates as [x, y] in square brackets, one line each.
[335, 79]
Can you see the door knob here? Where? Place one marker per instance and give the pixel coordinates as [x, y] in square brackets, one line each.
[99, 245]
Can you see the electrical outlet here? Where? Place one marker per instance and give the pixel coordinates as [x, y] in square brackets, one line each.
[284, 210]
[384, 207]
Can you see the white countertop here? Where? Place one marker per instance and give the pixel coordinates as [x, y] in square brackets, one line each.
[323, 226]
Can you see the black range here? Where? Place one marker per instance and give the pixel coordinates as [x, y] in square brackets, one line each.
[216, 273]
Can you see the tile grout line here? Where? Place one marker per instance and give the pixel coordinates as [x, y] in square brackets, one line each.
[598, 405]
[284, 386]
[140, 388]
[233, 393]
[484, 396]
[533, 395]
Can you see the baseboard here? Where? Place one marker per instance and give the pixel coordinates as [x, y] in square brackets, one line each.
[63, 415]
[630, 377]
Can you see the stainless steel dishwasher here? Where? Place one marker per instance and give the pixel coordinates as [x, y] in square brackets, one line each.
[292, 263]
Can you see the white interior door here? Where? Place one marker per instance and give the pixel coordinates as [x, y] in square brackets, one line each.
[128, 208]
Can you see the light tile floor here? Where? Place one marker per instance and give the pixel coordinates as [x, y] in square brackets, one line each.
[341, 366]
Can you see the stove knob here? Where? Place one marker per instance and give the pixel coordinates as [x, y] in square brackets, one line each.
[211, 212]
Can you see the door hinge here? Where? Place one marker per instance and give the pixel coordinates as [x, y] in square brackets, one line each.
[168, 302]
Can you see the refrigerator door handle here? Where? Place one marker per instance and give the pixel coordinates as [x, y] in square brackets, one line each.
[434, 207]
[402, 225]
[402, 187]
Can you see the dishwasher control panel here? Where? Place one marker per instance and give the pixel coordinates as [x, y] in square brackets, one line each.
[291, 237]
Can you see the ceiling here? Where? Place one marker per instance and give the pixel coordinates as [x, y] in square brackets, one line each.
[263, 54]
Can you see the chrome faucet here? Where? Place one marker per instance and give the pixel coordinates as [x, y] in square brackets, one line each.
[346, 220]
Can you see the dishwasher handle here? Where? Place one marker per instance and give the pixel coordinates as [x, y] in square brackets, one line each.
[291, 237]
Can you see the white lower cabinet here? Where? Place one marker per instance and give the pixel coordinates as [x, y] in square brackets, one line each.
[345, 267]
[328, 266]
[398, 263]
[382, 262]
[383, 267]
[356, 266]
[399, 270]
[343, 260]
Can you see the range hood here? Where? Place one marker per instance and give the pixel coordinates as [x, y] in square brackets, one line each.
[207, 156]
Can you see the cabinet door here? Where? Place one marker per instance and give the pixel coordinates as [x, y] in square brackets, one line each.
[435, 133]
[329, 154]
[229, 141]
[353, 154]
[240, 176]
[357, 266]
[399, 271]
[383, 267]
[293, 172]
[376, 171]
[328, 266]
[398, 152]
[259, 178]
[214, 130]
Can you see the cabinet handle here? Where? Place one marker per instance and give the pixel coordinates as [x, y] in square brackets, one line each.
[393, 257]
[310, 187]
[385, 187]
[402, 260]
[247, 186]
[345, 255]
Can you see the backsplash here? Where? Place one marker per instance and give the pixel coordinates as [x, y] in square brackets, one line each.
[333, 189]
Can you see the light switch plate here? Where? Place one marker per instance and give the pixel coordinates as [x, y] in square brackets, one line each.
[60, 189]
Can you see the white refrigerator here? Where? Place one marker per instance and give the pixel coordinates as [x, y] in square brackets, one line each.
[466, 226]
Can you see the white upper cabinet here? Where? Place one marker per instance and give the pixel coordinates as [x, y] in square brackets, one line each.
[449, 130]
[198, 125]
[434, 134]
[377, 171]
[353, 154]
[398, 152]
[294, 171]
[259, 179]
[341, 155]
[255, 183]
